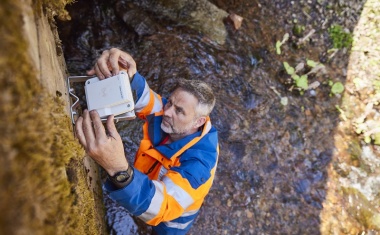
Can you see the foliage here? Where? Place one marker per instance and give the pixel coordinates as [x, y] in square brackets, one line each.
[337, 88]
[339, 37]
[289, 69]
[279, 44]
[298, 30]
[300, 81]
[342, 113]
[311, 63]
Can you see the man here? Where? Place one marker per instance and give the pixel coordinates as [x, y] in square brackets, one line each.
[175, 165]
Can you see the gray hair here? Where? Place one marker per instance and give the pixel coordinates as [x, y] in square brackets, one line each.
[200, 90]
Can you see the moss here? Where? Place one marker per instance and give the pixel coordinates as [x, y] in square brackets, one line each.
[86, 219]
[355, 150]
[53, 8]
[339, 37]
[36, 146]
[298, 30]
[361, 208]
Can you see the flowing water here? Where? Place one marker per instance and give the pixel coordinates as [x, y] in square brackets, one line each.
[272, 172]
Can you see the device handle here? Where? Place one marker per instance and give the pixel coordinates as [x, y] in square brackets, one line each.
[74, 79]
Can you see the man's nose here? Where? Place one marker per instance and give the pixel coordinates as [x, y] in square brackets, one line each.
[168, 111]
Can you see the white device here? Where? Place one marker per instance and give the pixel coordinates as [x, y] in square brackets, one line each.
[110, 96]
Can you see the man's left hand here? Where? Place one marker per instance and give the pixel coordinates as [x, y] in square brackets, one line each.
[106, 149]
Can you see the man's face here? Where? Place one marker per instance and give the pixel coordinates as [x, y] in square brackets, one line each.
[179, 113]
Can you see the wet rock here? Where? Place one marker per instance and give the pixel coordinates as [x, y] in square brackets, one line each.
[302, 186]
[296, 138]
[119, 220]
[249, 214]
[324, 158]
[135, 18]
[252, 101]
[200, 15]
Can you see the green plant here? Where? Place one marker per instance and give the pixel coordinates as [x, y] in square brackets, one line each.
[279, 44]
[311, 63]
[300, 81]
[342, 113]
[337, 88]
[298, 30]
[339, 37]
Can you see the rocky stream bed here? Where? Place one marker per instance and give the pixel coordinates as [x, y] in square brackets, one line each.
[294, 158]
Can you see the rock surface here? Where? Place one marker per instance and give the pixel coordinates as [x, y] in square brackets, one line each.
[42, 176]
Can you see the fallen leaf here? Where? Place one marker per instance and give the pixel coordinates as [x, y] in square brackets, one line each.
[236, 20]
[314, 85]
[299, 67]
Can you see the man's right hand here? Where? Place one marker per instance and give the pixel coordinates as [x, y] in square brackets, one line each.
[106, 149]
[111, 62]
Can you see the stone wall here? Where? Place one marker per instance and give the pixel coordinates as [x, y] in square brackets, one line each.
[48, 185]
[353, 192]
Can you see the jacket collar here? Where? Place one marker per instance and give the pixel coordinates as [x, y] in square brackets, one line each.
[176, 148]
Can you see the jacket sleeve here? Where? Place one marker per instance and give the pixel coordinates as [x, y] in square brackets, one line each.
[178, 194]
[156, 201]
[147, 101]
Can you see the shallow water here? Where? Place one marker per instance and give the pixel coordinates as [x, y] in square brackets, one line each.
[271, 177]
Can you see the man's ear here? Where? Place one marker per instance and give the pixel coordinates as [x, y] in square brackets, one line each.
[199, 122]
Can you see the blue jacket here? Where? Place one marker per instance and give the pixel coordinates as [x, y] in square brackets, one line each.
[171, 180]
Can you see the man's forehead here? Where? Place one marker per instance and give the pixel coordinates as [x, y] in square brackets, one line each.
[180, 93]
[183, 97]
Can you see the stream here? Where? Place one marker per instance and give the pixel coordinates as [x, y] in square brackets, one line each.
[272, 171]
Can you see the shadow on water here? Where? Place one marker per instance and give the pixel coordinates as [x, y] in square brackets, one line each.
[271, 177]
